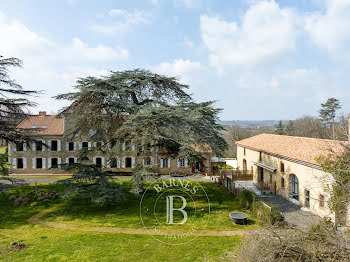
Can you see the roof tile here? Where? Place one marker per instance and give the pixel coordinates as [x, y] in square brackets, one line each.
[49, 125]
[300, 148]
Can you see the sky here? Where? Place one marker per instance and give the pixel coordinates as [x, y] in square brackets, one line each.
[258, 59]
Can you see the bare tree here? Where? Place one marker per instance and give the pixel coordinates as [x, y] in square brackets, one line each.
[307, 126]
[287, 244]
[236, 133]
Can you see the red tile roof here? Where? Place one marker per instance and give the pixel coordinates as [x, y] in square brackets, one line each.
[300, 148]
[47, 125]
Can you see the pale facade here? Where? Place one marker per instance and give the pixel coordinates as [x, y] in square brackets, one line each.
[301, 182]
[34, 158]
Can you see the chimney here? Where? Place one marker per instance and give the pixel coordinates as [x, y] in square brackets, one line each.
[42, 113]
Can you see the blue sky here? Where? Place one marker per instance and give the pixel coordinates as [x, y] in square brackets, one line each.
[258, 59]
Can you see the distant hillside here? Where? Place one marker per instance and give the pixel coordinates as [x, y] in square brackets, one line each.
[250, 123]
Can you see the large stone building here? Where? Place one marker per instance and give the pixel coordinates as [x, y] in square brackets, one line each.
[288, 166]
[59, 149]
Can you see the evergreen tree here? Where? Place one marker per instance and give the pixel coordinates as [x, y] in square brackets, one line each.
[280, 128]
[151, 111]
[328, 111]
[13, 104]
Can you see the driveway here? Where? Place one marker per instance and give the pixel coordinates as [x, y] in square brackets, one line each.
[293, 214]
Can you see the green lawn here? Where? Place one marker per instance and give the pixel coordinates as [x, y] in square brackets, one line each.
[56, 244]
[2, 150]
[127, 215]
[45, 244]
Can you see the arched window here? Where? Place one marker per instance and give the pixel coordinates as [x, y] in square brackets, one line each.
[244, 166]
[294, 183]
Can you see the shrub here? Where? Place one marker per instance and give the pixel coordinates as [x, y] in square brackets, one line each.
[266, 214]
[246, 199]
[287, 244]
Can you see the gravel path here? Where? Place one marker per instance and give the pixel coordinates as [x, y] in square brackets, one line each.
[293, 214]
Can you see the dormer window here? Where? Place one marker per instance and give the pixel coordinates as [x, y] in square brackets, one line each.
[43, 126]
[33, 126]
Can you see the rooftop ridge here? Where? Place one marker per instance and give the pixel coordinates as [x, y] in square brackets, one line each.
[302, 137]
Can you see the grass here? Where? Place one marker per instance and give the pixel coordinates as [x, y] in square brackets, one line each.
[57, 244]
[45, 244]
[12, 217]
[127, 214]
[3, 150]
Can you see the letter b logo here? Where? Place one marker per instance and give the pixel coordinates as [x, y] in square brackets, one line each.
[170, 209]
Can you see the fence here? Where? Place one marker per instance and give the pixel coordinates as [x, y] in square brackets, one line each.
[228, 182]
[235, 175]
[264, 213]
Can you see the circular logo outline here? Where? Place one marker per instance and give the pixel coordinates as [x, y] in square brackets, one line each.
[165, 233]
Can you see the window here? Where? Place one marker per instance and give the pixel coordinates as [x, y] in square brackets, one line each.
[71, 160]
[38, 146]
[182, 162]
[99, 162]
[19, 147]
[71, 146]
[39, 163]
[85, 145]
[54, 162]
[114, 163]
[164, 162]
[244, 166]
[43, 126]
[307, 198]
[113, 143]
[128, 162]
[244, 151]
[282, 182]
[270, 179]
[148, 161]
[33, 126]
[295, 186]
[282, 167]
[127, 145]
[321, 201]
[20, 163]
[260, 156]
[54, 145]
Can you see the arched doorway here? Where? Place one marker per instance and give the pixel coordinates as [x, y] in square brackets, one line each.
[244, 166]
[294, 186]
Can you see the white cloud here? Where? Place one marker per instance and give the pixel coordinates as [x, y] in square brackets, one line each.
[290, 83]
[331, 30]
[70, 2]
[155, 2]
[188, 43]
[124, 20]
[48, 65]
[189, 3]
[100, 53]
[266, 31]
[190, 73]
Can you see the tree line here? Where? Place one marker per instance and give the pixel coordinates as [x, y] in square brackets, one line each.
[327, 125]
